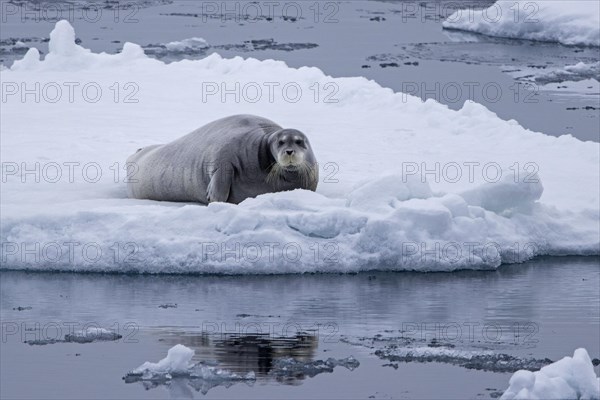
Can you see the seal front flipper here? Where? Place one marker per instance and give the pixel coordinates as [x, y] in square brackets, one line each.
[220, 185]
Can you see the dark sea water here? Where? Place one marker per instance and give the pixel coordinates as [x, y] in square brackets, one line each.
[530, 313]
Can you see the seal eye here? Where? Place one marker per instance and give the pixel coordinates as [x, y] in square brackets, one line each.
[299, 142]
[281, 142]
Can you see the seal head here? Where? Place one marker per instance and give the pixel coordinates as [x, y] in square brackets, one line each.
[294, 159]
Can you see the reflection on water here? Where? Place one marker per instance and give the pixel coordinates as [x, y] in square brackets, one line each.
[232, 358]
[542, 309]
[558, 296]
[258, 352]
[243, 353]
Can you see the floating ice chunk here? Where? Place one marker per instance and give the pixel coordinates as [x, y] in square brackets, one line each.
[210, 377]
[567, 22]
[292, 368]
[194, 47]
[483, 360]
[569, 378]
[578, 72]
[178, 364]
[194, 43]
[178, 360]
[88, 335]
[92, 334]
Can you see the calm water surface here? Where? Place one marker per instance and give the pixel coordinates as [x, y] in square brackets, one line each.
[542, 309]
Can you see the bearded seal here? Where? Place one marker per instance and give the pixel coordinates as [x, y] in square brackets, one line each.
[228, 160]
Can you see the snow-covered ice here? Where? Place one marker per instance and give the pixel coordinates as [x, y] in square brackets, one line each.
[576, 72]
[498, 194]
[566, 22]
[177, 361]
[588, 72]
[178, 364]
[569, 378]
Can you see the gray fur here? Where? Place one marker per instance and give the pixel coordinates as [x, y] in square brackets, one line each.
[228, 160]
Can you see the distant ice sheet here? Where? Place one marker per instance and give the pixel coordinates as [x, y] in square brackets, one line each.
[566, 22]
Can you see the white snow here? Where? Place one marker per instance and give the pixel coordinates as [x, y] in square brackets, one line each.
[567, 22]
[501, 193]
[569, 378]
[178, 360]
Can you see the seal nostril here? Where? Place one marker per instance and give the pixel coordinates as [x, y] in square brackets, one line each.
[289, 152]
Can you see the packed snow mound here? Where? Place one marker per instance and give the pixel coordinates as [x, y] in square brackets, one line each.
[177, 361]
[405, 184]
[566, 22]
[65, 54]
[569, 378]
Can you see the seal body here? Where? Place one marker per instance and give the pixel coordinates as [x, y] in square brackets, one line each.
[228, 160]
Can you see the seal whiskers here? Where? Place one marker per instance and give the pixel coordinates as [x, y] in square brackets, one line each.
[305, 172]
